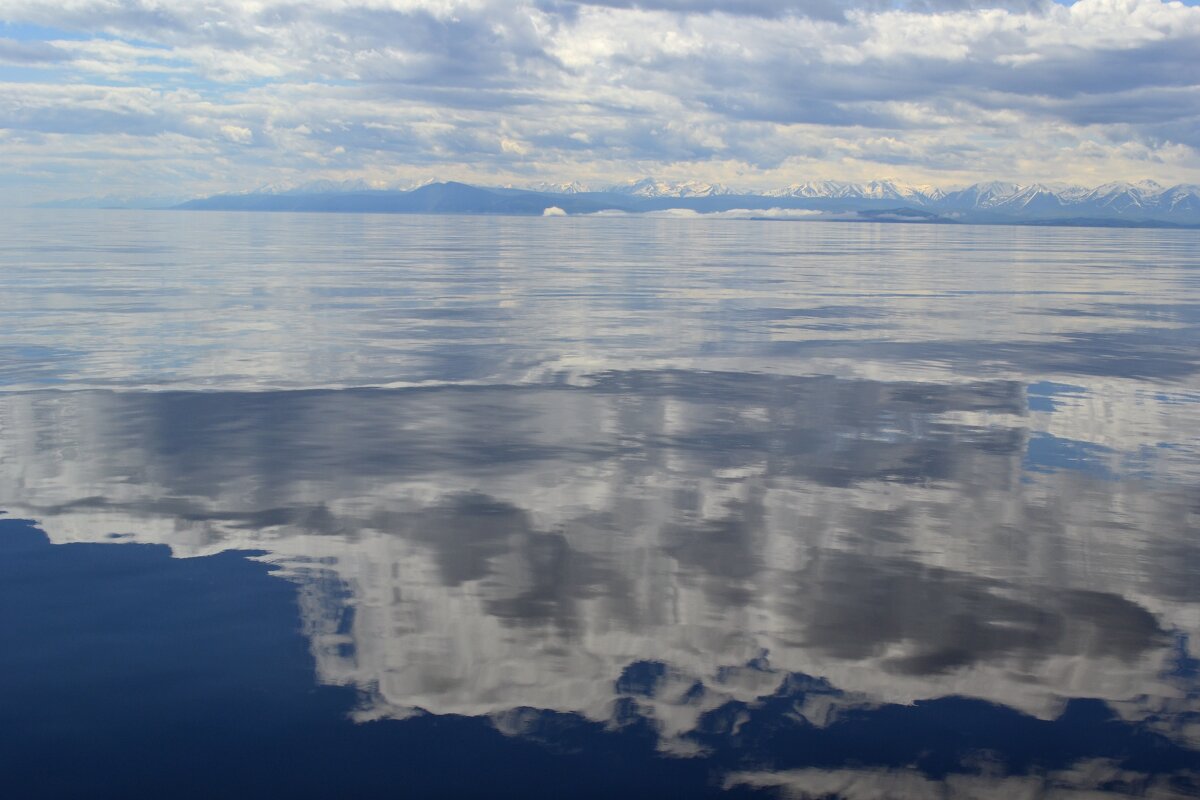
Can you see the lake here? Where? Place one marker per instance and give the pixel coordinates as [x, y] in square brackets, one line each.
[353, 505]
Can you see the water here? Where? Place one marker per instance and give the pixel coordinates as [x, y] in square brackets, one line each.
[322, 505]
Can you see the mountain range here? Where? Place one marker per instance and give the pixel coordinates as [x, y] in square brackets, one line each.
[1124, 204]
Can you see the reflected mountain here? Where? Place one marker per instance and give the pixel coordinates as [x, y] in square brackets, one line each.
[820, 584]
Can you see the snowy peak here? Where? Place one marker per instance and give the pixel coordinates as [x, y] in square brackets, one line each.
[652, 187]
[890, 190]
[1035, 197]
[1144, 200]
[985, 195]
[1123, 196]
[872, 190]
[832, 189]
[1136, 201]
[571, 187]
[1184, 199]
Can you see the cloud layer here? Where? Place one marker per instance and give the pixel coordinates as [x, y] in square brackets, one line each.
[102, 96]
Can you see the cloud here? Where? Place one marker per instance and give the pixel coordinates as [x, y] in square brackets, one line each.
[762, 92]
[773, 9]
[14, 52]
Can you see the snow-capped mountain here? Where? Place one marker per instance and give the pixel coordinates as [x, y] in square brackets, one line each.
[873, 190]
[1183, 199]
[1145, 200]
[652, 187]
[1005, 197]
[983, 195]
[832, 189]
[570, 187]
[889, 190]
[1124, 196]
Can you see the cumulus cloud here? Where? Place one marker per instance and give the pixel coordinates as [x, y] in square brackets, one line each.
[759, 93]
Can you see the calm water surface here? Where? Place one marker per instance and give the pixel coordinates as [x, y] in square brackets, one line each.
[359, 506]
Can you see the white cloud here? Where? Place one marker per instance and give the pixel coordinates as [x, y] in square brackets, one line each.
[237, 134]
[937, 92]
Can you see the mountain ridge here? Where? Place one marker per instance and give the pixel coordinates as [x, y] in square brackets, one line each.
[986, 202]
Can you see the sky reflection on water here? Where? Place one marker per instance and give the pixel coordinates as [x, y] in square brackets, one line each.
[843, 509]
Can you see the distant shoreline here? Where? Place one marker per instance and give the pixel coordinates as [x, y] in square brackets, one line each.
[706, 217]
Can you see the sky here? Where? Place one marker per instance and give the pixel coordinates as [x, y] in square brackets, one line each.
[147, 97]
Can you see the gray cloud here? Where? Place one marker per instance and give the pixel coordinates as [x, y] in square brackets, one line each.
[819, 9]
[835, 10]
[14, 52]
[927, 90]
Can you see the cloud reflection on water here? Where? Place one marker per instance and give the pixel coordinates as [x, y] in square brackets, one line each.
[480, 550]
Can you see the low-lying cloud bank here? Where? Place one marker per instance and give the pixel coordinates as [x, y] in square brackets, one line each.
[733, 213]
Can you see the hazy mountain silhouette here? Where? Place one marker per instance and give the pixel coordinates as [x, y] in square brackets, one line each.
[1144, 204]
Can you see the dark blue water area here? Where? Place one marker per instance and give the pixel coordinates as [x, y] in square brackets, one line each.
[356, 506]
[128, 673]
